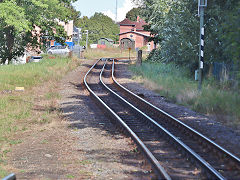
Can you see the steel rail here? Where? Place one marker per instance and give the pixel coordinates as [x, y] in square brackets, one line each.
[229, 154]
[10, 177]
[159, 170]
[210, 169]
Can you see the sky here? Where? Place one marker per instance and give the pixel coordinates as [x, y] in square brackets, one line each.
[107, 7]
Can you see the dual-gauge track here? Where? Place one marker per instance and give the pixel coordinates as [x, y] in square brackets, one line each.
[173, 149]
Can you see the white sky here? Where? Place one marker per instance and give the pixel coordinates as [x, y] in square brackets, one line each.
[107, 7]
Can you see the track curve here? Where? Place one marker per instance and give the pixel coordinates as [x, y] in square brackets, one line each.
[159, 132]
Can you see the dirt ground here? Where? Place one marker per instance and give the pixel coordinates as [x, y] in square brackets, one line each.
[81, 142]
[210, 126]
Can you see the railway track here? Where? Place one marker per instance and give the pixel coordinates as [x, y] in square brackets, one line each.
[174, 150]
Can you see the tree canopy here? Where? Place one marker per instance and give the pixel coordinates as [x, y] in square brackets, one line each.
[133, 14]
[98, 26]
[176, 28]
[19, 18]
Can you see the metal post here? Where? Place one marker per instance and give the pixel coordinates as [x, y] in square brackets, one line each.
[129, 49]
[79, 31]
[201, 5]
[139, 57]
[86, 38]
[116, 11]
[78, 45]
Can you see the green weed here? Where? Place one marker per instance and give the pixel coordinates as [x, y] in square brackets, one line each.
[3, 172]
[178, 86]
[52, 95]
[16, 108]
[12, 142]
[84, 162]
[44, 141]
[85, 173]
[70, 176]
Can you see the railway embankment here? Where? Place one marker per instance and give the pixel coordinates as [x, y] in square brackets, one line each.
[216, 99]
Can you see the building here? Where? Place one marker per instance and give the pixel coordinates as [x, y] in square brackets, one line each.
[105, 42]
[69, 29]
[33, 51]
[132, 35]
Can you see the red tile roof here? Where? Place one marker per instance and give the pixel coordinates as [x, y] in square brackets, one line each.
[138, 24]
[126, 21]
[142, 34]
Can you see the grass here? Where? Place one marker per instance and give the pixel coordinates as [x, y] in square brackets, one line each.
[17, 109]
[70, 176]
[108, 53]
[31, 74]
[3, 172]
[176, 84]
[84, 162]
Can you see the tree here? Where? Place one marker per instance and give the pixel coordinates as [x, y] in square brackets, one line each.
[133, 14]
[98, 26]
[75, 15]
[176, 26]
[19, 18]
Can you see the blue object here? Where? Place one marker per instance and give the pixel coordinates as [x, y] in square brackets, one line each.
[10, 177]
[69, 44]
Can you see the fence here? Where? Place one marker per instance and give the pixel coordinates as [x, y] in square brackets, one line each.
[226, 72]
[77, 51]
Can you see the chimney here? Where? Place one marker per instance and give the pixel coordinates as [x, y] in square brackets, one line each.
[138, 18]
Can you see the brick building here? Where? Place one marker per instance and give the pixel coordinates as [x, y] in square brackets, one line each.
[69, 29]
[132, 35]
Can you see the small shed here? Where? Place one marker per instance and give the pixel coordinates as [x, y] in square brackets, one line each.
[106, 41]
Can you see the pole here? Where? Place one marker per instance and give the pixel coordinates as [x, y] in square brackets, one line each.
[201, 5]
[78, 36]
[116, 11]
[129, 49]
[79, 48]
[86, 38]
[139, 57]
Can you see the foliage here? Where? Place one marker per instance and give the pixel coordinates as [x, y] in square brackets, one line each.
[133, 14]
[18, 109]
[176, 26]
[173, 82]
[98, 26]
[231, 32]
[75, 15]
[19, 19]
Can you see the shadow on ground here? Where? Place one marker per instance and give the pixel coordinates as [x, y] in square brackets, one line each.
[83, 113]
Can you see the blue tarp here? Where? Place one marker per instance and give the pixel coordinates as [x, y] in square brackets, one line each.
[70, 44]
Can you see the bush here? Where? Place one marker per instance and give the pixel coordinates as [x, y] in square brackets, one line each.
[177, 85]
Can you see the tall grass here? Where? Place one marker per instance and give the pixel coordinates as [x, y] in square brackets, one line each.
[31, 74]
[107, 53]
[176, 84]
[17, 108]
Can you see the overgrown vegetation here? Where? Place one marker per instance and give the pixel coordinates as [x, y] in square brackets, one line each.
[23, 22]
[176, 28]
[133, 14]
[175, 83]
[171, 66]
[18, 109]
